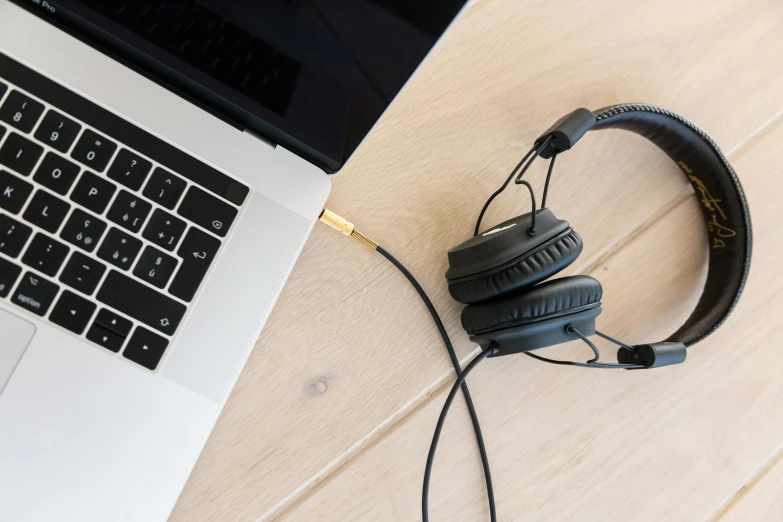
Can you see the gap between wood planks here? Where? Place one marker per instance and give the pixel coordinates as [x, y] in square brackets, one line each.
[751, 482]
[777, 456]
[413, 406]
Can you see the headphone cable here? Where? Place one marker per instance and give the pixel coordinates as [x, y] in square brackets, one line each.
[527, 161]
[461, 376]
[462, 384]
[338, 223]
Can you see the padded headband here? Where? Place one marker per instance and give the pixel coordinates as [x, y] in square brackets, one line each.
[722, 201]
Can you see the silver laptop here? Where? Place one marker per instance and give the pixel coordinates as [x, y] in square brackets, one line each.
[161, 166]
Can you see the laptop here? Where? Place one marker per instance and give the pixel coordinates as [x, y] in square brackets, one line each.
[162, 163]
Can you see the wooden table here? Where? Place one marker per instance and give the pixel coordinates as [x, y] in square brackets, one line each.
[332, 417]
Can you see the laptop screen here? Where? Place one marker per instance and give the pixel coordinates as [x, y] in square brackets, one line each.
[312, 75]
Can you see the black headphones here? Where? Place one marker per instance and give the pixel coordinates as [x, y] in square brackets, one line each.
[499, 273]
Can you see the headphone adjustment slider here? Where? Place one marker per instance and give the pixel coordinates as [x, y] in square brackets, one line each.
[566, 132]
[653, 355]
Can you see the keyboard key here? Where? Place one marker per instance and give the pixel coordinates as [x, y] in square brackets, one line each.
[57, 131]
[83, 230]
[2, 132]
[82, 273]
[21, 111]
[46, 211]
[35, 294]
[207, 211]
[20, 154]
[13, 236]
[236, 192]
[93, 193]
[94, 150]
[113, 322]
[129, 169]
[3, 88]
[129, 211]
[105, 338]
[119, 249]
[198, 250]
[164, 188]
[145, 348]
[155, 267]
[45, 254]
[56, 173]
[13, 192]
[9, 273]
[72, 312]
[141, 302]
[164, 230]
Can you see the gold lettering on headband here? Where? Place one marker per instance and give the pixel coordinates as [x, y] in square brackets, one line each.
[717, 230]
[707, 200]
[684, 167]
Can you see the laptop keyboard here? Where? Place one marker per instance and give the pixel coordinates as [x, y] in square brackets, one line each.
[105, 230]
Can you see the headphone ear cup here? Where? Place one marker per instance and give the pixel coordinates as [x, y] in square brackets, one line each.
[556, 298]
[533, 266]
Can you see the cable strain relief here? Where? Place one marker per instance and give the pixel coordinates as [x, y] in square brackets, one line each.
[364, 240]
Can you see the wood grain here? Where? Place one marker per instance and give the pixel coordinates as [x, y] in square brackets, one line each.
[567, 444]
[759, 500]
[349, 346]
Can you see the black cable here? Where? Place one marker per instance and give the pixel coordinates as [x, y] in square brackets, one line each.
[501, 189]
[535, 152]
[425, 491]
[532, 228]
[570, 329]
[615, 341]
[458, 369]
[592, 363]
[597, 366]
[548, 177]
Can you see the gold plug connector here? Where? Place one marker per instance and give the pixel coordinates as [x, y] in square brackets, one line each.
[342, 225]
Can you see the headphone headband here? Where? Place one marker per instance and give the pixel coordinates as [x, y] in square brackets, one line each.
[500, 284]
[722, 202]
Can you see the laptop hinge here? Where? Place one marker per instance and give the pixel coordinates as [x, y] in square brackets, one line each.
[259, 137]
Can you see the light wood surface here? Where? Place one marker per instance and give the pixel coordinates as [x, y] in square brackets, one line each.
[568, 444]
[332, 417]
[761, 500]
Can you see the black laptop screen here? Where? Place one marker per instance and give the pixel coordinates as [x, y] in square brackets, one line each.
[313, 75]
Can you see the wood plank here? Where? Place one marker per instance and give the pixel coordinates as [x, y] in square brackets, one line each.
[348, 344]
[569, 444]
[760, 500]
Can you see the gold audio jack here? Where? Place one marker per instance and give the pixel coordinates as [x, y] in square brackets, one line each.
[343, 225]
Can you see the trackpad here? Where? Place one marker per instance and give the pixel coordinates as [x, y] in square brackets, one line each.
[15, 335]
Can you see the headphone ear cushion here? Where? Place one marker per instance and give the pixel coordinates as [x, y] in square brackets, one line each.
[545, 301]
[526, 270]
